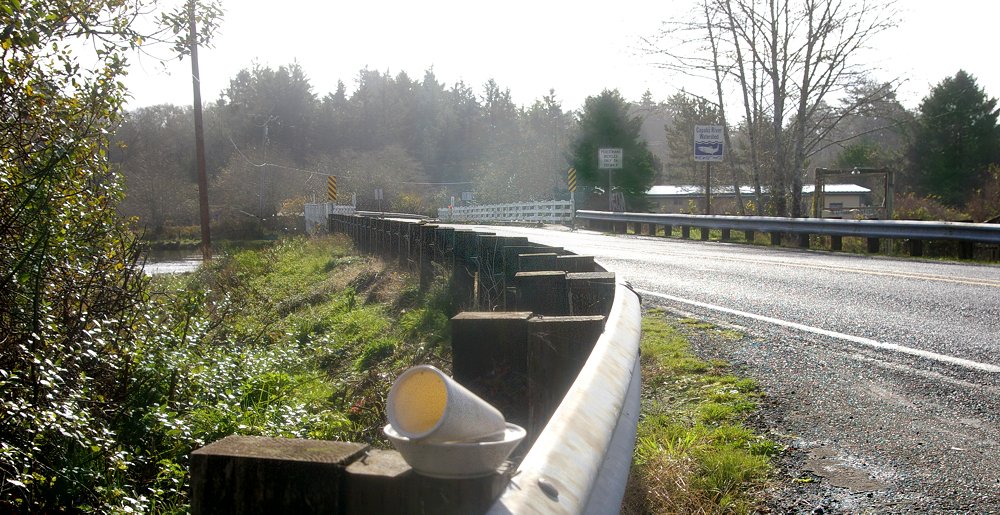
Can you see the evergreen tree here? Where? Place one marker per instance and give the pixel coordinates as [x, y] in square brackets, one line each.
[605, 123]
[956, 139]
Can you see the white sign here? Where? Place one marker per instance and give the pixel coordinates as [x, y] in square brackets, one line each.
[708, 143]
[609, 158]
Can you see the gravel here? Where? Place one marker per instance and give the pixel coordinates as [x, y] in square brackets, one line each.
[867, 431]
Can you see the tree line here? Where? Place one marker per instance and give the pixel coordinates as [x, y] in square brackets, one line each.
[271, 143]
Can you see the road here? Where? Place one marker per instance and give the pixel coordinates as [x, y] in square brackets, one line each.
[882, 375]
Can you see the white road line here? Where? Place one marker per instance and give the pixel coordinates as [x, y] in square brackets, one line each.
[986, 367]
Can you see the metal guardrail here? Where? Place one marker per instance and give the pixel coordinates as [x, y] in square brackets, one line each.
[896, 229]
[580, 462]
[581, 459]
[553, 211]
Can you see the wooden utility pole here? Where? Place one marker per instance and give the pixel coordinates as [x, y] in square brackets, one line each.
[199, 136]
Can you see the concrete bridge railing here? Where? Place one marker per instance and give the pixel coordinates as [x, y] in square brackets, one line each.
[547, 336]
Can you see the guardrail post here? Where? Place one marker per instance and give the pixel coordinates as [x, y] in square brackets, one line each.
[776, 238]
[426, 256]
[490, 358]
[558, 347]
[804, 240]
[382, 483]
[462, 276]
[536, 262]
[726, 235]
[966, 250]
[590, 293]
[873, 245]
[836, 243]
[685, 232]
[573, 263]
[705, 232]
[916, 248]
[543, 293]
[750, 236]
[247, 474]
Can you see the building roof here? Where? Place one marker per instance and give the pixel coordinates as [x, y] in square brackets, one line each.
[699, 191]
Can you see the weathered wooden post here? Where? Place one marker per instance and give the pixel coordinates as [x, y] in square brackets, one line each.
[590, 293]
[558, 347]
[573, 263]
[257, 475]
[543, 292]
[490, 358]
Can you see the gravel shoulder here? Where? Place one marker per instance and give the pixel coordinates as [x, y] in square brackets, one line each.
[867, 431]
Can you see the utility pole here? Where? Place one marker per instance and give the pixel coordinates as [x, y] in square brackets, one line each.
[199, 136]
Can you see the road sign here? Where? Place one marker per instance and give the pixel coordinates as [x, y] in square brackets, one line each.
[708, 143]
[571, 180]
[609, 158]
[331, 188]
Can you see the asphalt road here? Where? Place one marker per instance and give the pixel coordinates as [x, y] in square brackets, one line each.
[882, 375]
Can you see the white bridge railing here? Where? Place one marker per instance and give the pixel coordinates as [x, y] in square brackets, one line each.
[551, 211]
[318, 215]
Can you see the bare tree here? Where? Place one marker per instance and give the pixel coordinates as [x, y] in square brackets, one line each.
[790, 62]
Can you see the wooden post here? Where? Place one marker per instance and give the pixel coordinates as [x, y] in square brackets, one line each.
[250, 474]
[558, 347]
[426, 254]
[966, 250]
[776, 238]
[590, 293]
[490, 358]
[873, 245]
[573, 263]
[749, 236]
[536, 262]
[705, 231]
[726, 235]
[804, 241]
[543, 293]
[382, 483]
[916, 248]
[836, 243]
[685, 232]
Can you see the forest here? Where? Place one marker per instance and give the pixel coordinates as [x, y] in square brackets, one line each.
[271, 141]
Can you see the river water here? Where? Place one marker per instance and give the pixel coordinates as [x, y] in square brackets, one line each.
[172, 261]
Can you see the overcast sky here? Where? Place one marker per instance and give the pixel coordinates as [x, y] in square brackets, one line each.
[575, 48]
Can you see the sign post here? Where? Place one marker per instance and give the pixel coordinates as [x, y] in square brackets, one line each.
[708, 147]
[571, 182]
[331, 188]
[609, 159]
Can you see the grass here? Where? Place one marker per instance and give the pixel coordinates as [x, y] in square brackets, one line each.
[694, 452]
[300, 339]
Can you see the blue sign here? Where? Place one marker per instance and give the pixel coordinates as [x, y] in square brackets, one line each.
[708, 143]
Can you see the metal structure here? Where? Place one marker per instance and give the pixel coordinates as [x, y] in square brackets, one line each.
[581, 461]
[895, 229]
[553, 211]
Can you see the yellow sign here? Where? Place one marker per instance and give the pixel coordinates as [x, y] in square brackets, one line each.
[331, 188]
[571, 179]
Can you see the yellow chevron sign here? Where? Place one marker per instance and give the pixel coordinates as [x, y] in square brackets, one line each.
[331, 188]
[571, 179]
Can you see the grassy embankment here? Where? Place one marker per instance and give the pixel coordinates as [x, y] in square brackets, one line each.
[694, 452]
[302, 339]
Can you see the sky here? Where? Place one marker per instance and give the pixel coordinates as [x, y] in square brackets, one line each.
[577, 49]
